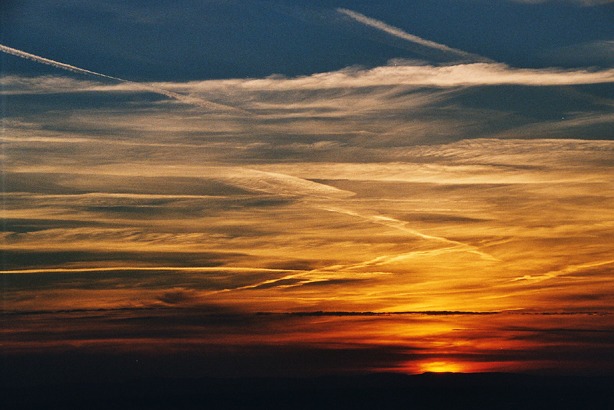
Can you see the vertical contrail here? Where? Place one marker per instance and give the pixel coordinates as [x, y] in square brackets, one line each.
[145, 87]
[397, 32]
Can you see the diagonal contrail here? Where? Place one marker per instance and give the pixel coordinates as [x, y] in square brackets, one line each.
[397, 32]
[43, 60]
[176, 96]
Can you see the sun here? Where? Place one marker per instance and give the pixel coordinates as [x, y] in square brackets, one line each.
[441, 367]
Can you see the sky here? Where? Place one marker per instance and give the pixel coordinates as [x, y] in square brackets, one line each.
[290, 188]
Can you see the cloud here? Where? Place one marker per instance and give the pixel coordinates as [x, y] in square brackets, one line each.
[396, 74]
[397, 32]
[279, 184]
[459, 75]
[344, 116]
[567, 271]
[139, 86]
[353, 215]
[327, 172]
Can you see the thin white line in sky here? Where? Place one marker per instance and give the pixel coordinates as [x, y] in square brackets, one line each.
[57, 64]
[176, 96]
[397, 32]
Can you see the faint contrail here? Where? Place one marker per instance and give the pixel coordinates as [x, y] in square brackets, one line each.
[176, 96]
[397, 32]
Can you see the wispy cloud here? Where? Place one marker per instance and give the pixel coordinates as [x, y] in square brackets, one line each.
[568, 270]
[399, 73]
[397, 32]
[475, 74]
[353, 173]
[209, 105]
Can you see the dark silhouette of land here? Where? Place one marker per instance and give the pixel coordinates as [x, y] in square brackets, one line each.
[373, 391]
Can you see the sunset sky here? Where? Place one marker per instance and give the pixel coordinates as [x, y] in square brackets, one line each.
[303, 187]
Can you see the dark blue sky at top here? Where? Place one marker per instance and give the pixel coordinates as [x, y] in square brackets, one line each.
[190, 39]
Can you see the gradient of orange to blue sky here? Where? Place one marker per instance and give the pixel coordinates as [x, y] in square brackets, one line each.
[300, 188]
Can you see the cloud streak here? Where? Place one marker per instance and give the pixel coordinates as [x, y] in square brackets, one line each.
[209, 105]
[397, 74]
[397, 32]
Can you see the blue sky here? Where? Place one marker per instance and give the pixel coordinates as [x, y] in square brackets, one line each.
[227, 39]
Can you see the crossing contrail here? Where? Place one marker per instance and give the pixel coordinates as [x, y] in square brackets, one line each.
[397, 32]
[145, 87]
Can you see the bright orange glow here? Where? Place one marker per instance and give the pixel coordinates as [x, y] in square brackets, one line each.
[441, 367]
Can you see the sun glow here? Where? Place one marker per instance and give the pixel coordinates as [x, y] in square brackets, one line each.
[441, 367]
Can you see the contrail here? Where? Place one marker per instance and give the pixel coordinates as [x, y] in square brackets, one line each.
[397, 32]
[43, 60]
[176, 96]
